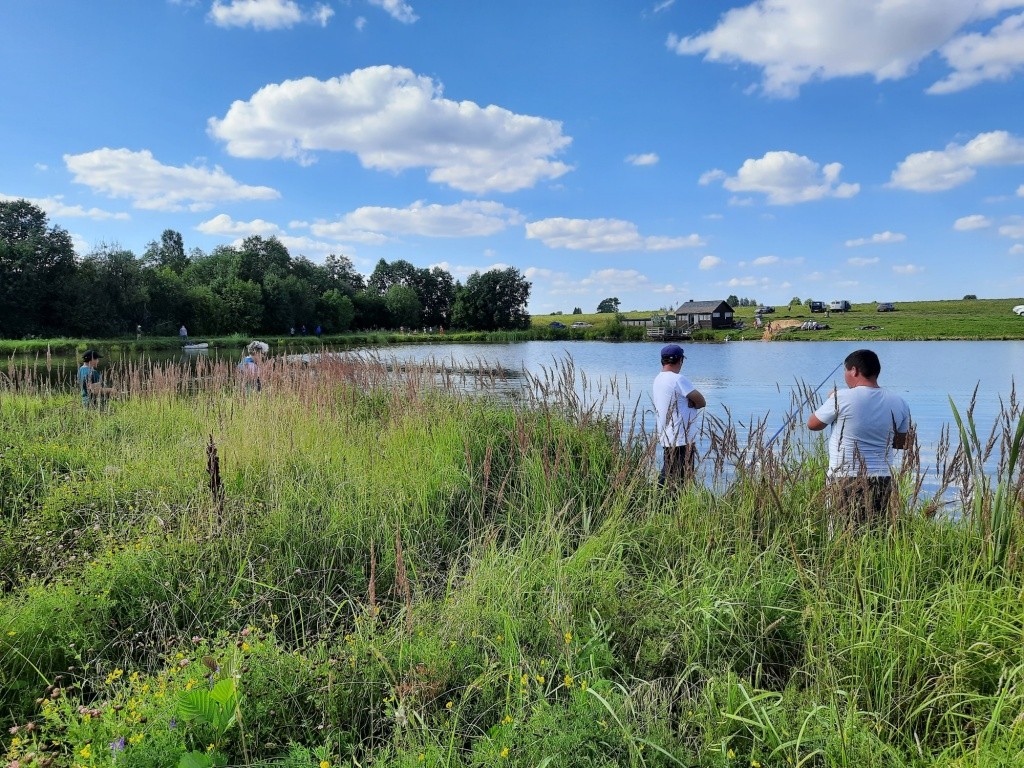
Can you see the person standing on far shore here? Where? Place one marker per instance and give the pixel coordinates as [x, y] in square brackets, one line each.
[183, 334]
[677, 402]
[868, 424]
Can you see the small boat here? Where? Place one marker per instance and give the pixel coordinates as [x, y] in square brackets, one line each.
[196, 346]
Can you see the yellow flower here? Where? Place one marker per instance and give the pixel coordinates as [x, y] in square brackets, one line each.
[324, 764]
[422, 757]
[507, 720]
[135, 738]
[583, 685]
[245, 646]
[568, 637]
[568, 680]
[755, 764]
[85, 752]
[731, 754]
[500, 638]
[504, 751]
[540, 679]
[448, 706]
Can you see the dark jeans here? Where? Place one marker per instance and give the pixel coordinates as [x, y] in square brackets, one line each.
[859, 502]
[680, 465]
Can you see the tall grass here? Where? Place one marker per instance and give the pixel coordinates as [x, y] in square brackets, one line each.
[407, 565]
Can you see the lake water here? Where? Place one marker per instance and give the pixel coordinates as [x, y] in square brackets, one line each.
[751, 382]
[755, 382]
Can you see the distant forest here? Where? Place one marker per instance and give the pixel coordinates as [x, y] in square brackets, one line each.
[47, 290]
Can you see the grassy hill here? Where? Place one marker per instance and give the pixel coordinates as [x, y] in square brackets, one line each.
[913, 320]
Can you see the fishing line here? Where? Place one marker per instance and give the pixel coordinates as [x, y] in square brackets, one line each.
[804, 402]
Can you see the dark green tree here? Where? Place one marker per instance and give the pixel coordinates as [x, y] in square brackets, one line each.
[733, 300]
[608, 305]
[371, 311]
[577, 310]
[37, 263]
[336, 310]
[169, 252]
[492, 301]
[404, 306]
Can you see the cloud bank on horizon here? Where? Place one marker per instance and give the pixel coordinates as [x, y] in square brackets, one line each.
[734, 151]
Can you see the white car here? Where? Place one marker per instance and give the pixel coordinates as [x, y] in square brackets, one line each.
[581, 324]
[1019, 309]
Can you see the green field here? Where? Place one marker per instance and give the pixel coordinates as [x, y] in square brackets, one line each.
[913, 320]
[354, 569]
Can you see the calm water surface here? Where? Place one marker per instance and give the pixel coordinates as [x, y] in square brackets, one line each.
[754, 381]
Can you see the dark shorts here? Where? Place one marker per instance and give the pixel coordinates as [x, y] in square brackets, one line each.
[857, 502]
[680, 465]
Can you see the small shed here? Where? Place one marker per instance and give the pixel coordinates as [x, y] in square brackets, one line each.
[705, 314]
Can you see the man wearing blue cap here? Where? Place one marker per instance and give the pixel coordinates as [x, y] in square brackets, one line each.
[677, 401]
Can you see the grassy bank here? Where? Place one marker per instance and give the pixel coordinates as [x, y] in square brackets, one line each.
[973, 319]
[354, 568]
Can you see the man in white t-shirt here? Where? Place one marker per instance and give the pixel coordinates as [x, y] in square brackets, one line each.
[869, 423]
[677, 402]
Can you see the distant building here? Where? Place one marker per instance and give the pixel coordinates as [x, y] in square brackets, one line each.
[705, 314]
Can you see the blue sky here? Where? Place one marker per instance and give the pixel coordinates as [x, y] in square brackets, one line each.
[652, 151]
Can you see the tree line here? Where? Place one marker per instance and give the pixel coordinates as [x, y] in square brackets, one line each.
[46, 289]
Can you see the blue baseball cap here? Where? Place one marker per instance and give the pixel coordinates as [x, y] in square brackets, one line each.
[672, 350]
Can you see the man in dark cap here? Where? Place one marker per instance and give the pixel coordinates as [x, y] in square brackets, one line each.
[677, 402]
[90, 381]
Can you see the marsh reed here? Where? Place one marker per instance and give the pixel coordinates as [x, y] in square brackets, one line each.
[423, 565]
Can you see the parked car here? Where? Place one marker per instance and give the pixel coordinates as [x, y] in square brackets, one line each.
[1019, 310]
[555, 324]
[839, 305]
[763, 310]
[817, 306]
[581, 324]
[885, 306]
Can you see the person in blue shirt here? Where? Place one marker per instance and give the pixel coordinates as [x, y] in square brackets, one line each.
[90, 381]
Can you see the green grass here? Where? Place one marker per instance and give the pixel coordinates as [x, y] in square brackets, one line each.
[398, 573]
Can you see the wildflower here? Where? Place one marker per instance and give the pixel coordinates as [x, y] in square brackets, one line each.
[568, 637]
[14, 729]
[500, 638]
[583, 685]
[504, 751]
[731, 754]
[540, 679]
[755, 764]
[568, 680]
[507, 720]
[173, 724]
[245, 646]
[449, 706]
[324, 764]
[117, 745]
[135, 738]
[422, 757]
[85, 751]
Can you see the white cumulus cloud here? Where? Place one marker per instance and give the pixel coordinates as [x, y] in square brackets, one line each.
[795, 42]
[974, 221]
[936, 171]
[764, 261]
[259, 14]
[862, 261]
[787, 178]
[978, 57]
[222, 224]
[880, 238]
[1014, 230]
[602, 236]
[1017, 249]
[151, 185]
[397, 10]
[393, 119]
[55, 207]
[470, 218]
[709, 262]
[648, 158]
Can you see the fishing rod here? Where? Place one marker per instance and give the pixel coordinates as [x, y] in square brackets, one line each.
[799, 407]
